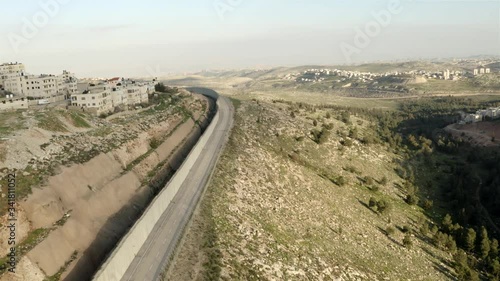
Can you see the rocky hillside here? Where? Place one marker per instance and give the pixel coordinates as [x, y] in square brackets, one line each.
[305, 193]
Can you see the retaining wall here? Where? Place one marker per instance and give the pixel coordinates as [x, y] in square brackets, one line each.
[123, 255]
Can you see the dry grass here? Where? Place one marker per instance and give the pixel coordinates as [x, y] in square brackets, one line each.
[270, 214]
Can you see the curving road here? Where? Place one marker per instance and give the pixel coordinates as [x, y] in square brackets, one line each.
[161, 242]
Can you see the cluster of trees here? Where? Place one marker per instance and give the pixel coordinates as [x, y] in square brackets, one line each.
[161, 88]
[320, 136]
[381, 206]
[470, 180]
[469, 177]
[471, 249]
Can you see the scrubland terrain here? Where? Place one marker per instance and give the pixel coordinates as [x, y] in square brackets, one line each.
[283, 207]
[320, 185]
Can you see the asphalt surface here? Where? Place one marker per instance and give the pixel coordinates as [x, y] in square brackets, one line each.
[161, 242]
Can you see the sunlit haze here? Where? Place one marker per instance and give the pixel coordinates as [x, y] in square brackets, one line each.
[154, 38]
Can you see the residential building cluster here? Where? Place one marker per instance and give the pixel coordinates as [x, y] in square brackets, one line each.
[318, 75]
[102, 96]
[480, 115]
[481, 70]
[93, 95]
[16, 80]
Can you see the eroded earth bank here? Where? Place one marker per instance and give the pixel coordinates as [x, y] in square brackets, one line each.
[84, 180]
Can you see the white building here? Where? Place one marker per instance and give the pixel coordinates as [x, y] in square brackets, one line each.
[446, 74]
[137, 94]
[103, 96]
[13, 104]
[473, 118]
[118, 97]
[97, 100]
[42, 86]
[9, 70]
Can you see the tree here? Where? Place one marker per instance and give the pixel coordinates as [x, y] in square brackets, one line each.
[464, 273]
[154, 143]
[407, 241]
[340, 181]
[413, 141]
[424, 229]
[411, 199]
[494, 248]
[472, 275]
[484, 243]
[450, 244]
[460, 258]
[160, 87]
[320, 137]
[470, 239]
[315, 123]
[447, 223]
[389, 230]
[368, 139]
[346, 117]
[372, 202]
[347, 142]
[383, 207]
[494, 267]
[440, 239]
[428, 204]
[369, 180]
[328, 115]
[323, 138]
[353, 133]
[384, 180]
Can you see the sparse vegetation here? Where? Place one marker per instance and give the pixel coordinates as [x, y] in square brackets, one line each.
[299, 158]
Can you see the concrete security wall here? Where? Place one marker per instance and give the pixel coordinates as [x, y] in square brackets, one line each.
[123, 255]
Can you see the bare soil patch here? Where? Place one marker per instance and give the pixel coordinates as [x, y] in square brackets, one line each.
[481, 134]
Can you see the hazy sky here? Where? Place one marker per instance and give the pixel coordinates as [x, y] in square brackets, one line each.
[150, 38]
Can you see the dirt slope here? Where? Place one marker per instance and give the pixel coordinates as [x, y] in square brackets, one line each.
[77, 214]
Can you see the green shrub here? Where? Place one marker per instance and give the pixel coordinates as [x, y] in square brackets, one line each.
[154, 143]
[389, 231]
[407, 241]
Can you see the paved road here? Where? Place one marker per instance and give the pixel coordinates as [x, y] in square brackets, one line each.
[161, 242]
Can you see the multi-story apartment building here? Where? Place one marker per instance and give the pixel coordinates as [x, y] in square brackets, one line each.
[136, 94]
[96, 99]
[119, 97]
[9, 70]
[43, 86]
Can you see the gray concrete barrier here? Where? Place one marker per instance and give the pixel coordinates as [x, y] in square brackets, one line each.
[124, 253]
